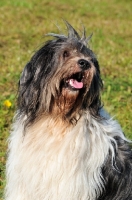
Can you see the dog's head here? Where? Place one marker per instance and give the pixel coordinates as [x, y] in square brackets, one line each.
[62, 79]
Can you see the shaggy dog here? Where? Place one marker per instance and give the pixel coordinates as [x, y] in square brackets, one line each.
[63, 146]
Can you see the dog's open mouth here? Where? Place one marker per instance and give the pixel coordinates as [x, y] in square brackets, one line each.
[75, 82]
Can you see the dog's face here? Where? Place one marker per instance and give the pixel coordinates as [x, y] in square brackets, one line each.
[62, 79]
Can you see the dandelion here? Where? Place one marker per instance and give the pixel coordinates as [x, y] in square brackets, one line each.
[7, 103]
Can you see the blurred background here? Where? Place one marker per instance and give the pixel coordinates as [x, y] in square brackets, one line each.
[23, 24]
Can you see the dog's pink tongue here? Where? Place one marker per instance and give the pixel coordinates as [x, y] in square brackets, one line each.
[74, 83]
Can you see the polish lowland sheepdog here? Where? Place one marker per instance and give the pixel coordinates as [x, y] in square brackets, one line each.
[63, 145]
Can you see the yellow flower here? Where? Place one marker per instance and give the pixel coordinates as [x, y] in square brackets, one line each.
[7, 103]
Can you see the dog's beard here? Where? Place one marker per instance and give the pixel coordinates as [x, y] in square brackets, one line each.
[69, 87]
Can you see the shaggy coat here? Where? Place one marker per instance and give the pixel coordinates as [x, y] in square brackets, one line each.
[63, 145]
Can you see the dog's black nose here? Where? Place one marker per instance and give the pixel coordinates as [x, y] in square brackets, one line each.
[84, 64]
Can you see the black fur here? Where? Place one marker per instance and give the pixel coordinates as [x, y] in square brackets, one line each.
[118, 177]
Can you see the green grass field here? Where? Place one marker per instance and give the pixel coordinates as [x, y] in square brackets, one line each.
[22, 27]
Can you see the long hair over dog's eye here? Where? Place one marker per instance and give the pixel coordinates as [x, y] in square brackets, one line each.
[66, 54]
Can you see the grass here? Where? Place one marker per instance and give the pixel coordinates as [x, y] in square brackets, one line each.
[22, 27]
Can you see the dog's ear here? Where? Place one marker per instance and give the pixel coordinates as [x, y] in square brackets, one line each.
[28, 93]
[22, 93]
[25, 75]
[92, 100]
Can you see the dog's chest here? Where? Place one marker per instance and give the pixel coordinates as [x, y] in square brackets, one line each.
[62, 168]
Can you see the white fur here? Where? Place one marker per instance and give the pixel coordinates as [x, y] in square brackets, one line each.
[55, 161]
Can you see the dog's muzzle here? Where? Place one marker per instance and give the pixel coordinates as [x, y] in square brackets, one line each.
[75, 82]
